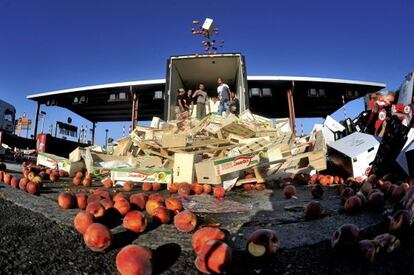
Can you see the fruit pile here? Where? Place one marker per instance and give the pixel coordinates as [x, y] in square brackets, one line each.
[102, 209]
[33, 177]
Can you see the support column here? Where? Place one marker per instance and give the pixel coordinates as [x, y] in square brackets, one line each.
[36, 120]
[134, 113]
[291, 106]
[93, 132]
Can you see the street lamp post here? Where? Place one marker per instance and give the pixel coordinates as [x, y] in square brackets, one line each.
[43, 113]
[106, 139]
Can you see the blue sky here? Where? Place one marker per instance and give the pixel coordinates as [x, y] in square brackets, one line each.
[49, 45]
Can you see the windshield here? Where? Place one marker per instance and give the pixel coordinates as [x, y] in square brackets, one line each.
[9, 115]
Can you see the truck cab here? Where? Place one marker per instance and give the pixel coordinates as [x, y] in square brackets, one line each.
[188, 71]
[7, 117]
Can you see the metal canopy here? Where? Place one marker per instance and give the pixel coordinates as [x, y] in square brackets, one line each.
[99, 108]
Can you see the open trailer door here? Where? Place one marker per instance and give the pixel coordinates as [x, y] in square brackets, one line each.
[189, 71]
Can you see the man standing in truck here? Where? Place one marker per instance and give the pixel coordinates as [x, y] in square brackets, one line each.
[181, 103]
[223, 92]
[234, 103]
[201, 100]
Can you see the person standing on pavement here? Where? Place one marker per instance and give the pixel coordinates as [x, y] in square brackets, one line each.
[223, 92]
[201, 100]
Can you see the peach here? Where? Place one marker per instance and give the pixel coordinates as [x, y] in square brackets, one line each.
[81, 200]
[63, 174]
[174, 204]
[185, 221]
[53, 177]
[82, 221]
[138, 200]
[93, 198]
[66, 200]
[384, 186]
[262, 243]
[106, 203]
[317, 191]
[156, 197]
[37, 180]
[128, 186]
[134, 259]
[122, 206]
[102, 193]
[326, 180]
[400, 223]
[156, 186]
[14, 182]
[22, 183]
[376, 200]
[353, 205]
[398, 193]
[96, 209]
[184, 189]
[345, 238]
[7, 178]
[119, 196]
[78, 174]
[201, 236]
[107, 183]
[87, 181]
[30, 175]
[135, 221]
[214, 257]
[249, 176]
[76, 181]
[97, 237]
[146, 186]
[259, 186]
[313, 210]
[151, 205]
[218, 192]
[161, 215]
[173, 188]
[248, 186]
[289, 191]
[366, 188]
[32, 188]
[346, 193]
[197, 188]
[405, 186]
[2, 175]
[207, 188]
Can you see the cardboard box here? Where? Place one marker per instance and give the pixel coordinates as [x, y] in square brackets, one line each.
[56, 162]
[76, 155]
[355, 153]
[211, 170]
[332, 130]
[49, 160]
[93, 160]
[183, 170]
[405, 151]
[160, 175]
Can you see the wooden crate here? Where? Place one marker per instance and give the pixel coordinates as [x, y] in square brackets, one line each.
[183, 169]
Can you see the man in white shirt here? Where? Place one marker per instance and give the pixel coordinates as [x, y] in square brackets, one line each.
[223, 92]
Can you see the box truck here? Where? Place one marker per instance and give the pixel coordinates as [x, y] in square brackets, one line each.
[188, 71]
